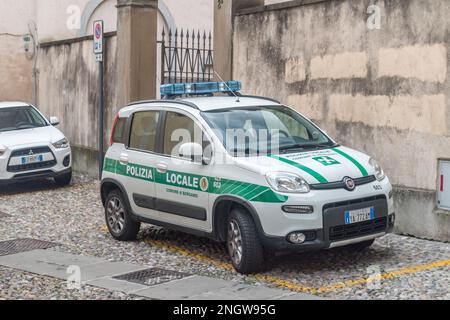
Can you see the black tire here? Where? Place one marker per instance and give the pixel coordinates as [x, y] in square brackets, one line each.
[64, 179]
[252, 256]
[361, 245]
[118, 219]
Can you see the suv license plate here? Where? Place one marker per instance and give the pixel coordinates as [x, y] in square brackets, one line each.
[32, 159]
[360, 215]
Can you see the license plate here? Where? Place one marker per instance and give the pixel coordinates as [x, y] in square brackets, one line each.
[32, 159]
[360, 215]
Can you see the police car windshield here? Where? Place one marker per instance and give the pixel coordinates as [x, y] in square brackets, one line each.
[258, 130]
[20, 118]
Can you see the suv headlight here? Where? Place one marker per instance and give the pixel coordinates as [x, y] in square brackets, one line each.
[2, 149]
[61, 144]
[379, 173]
[287, 182]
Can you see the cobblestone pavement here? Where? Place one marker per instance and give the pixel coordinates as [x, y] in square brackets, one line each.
[396, 267]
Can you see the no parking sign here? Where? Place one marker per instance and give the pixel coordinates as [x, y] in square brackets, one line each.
[98, 40]
[98, 51]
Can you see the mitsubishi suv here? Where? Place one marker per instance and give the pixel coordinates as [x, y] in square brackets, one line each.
[31, 147]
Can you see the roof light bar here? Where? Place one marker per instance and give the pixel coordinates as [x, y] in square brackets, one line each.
[177, 89]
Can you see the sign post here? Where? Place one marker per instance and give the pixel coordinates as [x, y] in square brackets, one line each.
[99, 53]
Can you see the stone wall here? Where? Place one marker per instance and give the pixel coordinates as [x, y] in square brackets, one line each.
[68, 87]
[384, 91]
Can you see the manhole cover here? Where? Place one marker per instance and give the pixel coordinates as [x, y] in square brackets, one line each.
[4, 215]
[152, 277]
[23, 245]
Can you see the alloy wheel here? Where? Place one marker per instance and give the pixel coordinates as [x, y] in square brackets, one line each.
[235, 242]
[115, 214]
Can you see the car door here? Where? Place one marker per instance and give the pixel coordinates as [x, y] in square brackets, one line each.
[182, 184]
[137, 162]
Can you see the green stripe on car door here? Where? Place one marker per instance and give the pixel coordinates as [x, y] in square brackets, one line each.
[313, 173]
[247, 191]
[353, 160]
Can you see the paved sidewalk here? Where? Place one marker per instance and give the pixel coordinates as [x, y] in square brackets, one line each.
[164, 284]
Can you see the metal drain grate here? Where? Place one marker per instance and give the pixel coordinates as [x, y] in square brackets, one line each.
[152, 277]
[23, 245]
[4, 215]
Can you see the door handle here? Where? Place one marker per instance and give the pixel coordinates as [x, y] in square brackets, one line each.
[123, 159]
[161, 167]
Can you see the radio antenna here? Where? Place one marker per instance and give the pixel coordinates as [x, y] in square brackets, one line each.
[226, 84]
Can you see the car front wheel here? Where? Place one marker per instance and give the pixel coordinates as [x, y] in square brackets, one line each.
[244, 247]
[120, 224]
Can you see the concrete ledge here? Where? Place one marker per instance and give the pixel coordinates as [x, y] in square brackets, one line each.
[73, 40]
[85, 160]
[418, 216]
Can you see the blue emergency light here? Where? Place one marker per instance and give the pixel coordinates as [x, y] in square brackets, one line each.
[199, 88]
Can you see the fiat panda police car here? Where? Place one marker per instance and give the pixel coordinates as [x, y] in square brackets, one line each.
[243, 170]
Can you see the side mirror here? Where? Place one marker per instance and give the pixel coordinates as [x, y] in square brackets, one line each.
[191, 151]
[54, 121]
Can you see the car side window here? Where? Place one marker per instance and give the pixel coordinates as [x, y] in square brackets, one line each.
[143, 130]
[180, 129]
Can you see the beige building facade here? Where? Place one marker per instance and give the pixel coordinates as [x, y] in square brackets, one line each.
[374, 74]
[55, 20]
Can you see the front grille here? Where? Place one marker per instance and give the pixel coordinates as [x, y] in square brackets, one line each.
[341, 184]
[350, 231]
[32, 166]
[26, 152]
[350, 202]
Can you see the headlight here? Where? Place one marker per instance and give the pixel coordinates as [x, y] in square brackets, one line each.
[379, 173]
[2, 150]
[61, 144]
[287, 182]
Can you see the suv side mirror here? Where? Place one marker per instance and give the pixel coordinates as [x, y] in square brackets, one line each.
[54, 121]
[191, 151]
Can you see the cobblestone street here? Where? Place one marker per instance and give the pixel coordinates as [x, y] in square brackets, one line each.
[407, 268]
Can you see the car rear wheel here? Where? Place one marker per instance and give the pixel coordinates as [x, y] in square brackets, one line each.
[120, 224]
[64, 179]
[243, 244]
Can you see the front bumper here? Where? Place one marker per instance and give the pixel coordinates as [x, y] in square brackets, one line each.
[11, 171]
[35, 176]
[322, 240]
[325, 227]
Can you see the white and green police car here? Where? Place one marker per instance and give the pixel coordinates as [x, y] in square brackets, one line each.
[243, 170]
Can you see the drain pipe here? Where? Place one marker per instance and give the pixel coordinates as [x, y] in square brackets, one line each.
[32, 28]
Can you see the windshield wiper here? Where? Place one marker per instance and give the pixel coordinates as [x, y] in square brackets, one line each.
[319, 146]
[292, 146]
[299, 146]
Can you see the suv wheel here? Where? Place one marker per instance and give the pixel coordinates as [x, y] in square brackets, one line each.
[244, 246]
[64, 179]
[120, 224]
